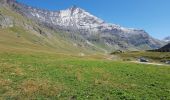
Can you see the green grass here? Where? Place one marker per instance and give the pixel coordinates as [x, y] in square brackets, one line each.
[38, 67]
[58, 76]
[152, 56]
[33, 71]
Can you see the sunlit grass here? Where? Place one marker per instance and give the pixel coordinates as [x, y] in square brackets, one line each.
[32, 67]
[44, 75]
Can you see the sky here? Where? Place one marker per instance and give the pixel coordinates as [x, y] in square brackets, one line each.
[151, 15]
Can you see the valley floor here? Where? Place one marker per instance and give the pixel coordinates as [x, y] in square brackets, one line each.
[33, 75]
[52, 66]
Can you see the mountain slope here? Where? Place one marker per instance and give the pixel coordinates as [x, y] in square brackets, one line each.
[75, 28]
[167, 39]
[96, 31]
[20, 33]
[165, 48]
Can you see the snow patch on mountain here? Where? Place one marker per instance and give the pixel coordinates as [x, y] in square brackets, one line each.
[78, 21]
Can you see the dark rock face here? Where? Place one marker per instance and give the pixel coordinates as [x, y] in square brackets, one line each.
[166, 48]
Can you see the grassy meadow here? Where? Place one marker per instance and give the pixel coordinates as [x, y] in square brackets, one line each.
[34, 67]
[47, 75]
[151, 56]
[33, 71]
[29, 70]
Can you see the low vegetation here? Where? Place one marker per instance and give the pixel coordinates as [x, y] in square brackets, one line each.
[42, 75]
[32, 67]
[152, 56]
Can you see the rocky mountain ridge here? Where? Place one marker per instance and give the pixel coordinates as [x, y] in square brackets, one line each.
[80, 25]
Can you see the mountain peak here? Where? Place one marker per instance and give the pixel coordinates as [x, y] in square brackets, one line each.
[74, 7]
[89, 27]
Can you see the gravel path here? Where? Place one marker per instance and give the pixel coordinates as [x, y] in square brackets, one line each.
[150, 63]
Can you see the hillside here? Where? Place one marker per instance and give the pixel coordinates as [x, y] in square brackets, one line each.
[40, 60]
[19, 32]
[167, 39]
[165, 48]
[84, 30]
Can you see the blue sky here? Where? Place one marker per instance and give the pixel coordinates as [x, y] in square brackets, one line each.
[150, 15]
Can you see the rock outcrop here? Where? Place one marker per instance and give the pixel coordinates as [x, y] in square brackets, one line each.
[5, 21]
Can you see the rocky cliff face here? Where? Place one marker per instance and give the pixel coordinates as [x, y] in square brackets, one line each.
[84, 26]
[5, 21]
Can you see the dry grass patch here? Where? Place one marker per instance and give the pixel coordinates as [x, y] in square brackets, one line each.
[100, 81]
[79, 76]
[105, 79]
[4, 82]
[32, 88]
[6, 89]
[10, 93]
[29, 87]
[13, 69]
[107, 76]
[18, 71]
[98, 70]
[6, 66]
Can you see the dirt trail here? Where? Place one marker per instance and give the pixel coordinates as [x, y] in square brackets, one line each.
[112, 57]
[150, 63]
